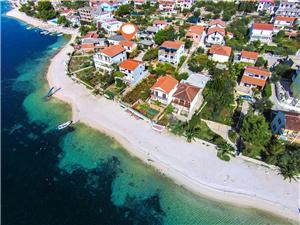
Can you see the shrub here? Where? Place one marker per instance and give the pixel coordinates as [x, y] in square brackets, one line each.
[268, 90]
[232, 136]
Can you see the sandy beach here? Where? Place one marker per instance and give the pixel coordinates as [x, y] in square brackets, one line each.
[192, 165]
[39, 23]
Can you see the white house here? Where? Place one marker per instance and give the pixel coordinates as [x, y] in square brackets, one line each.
[128, 45]
[255, 77]
[266, 5]
[185, 99]
[249, 57]
[215, 36]
[115, 39]
[105, 58]
[288, 8]
[163, 89]
[110, 25]
[167, 6]
[86, 14]
[184, 4]
[160, 24]
[197, 35]
[171, 51]
[262, 32]
[281, 22]
[220, 53]
[134, 70]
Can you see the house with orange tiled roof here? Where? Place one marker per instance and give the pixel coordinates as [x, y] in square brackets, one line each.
[184, 4]
[167, 6]
[185, 99]
[249, 57]
[217, 23]
[255, 77]
[105, 58]
[281, 22]
[261, 32]
[220, 53]
[171, 51]
[134, 70]
[160, 24]
[286, 126]
[215, 36]
[128, 45]
[163, 89]
[196, 34]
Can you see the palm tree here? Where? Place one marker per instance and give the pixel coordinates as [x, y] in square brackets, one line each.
[224, 150]
[190, 133]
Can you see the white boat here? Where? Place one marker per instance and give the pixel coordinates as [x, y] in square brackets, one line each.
[64, 125]
[60, 35]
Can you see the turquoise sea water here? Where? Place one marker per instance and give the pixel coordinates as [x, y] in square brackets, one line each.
[80, 176]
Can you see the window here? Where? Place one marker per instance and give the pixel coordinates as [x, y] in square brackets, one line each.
[164, 96]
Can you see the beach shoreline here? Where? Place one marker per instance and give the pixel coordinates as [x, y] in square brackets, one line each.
[15, 13]
[186, 164]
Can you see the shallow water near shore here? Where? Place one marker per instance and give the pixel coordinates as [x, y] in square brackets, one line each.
[80, 176]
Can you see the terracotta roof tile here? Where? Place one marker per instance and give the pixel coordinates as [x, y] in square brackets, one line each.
[262, 26]
[285, 18]
[172, 44]
[217, 21]
[91, 35]
[186, 92]
[130, 64]
[112, 50]
[165, 83]
[292, 121]
[220, 50]
[126, 43]
[258, 71]
[196, 30]
[216, 29]
[249, 55]
[160, 22]
[253, 81]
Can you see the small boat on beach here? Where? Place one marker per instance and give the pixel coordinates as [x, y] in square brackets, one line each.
[64, 125]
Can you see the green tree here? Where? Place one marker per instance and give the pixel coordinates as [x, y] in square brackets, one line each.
[267, 90]
[63, 20]
[198, 62]
[260, 62]
[289, 162]
[124, 10]
[281, 70]
[165, 35]
[255, 133]
[224, 151]
[45, 10]
[190, 133]
[263, 104]
[151, 54]
[188, 44]
[272, 152]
